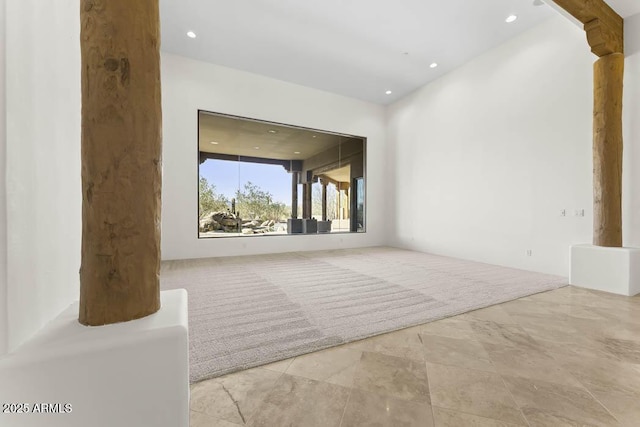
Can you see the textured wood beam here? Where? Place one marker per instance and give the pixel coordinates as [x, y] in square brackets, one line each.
[121, 160]
[603, 38]
[605, 34]
[604, 27]
[607, 150]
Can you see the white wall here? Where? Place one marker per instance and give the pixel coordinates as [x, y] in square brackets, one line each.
[43, 162]
[3, 193]
[488, 155]
[485, 157]
[631, 109]
[189, 85]
[127, 374]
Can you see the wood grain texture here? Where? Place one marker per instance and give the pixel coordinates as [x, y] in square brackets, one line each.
[605, 34]
[121, 160]
[604, 27]
[607, 150]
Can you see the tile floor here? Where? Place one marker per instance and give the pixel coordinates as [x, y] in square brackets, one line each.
[569, 357]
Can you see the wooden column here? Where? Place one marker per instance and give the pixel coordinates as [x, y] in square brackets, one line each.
[324, 199]
[294, 194]
[121, 160]
[607, 150]
[605, 34]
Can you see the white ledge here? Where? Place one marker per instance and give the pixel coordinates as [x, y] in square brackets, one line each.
[127, 374]
[615, 270]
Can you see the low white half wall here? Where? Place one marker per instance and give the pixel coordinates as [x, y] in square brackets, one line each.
[128, 374]
[615, 270]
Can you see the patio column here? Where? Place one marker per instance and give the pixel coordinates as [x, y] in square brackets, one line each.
[306, 200]
[294, 194]
[347, 207]
[324, 199]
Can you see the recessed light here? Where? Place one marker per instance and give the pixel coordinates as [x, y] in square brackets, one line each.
[191, 34]
[433, 65]
[296, 152]
[272, 131]
[388, 92]
[214, 142]
[510, 18]
[257, 148]
[314, 136]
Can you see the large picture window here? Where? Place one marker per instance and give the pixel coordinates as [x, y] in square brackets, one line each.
[259, 178]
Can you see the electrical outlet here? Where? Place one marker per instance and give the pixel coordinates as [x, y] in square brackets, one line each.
[529, 252]
[579, 212]
[563, 212]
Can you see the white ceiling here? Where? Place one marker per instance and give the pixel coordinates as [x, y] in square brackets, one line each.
[253, 138]
[357, 48]
[625, 8]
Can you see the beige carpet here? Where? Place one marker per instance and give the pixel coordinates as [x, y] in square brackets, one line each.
[252, 310]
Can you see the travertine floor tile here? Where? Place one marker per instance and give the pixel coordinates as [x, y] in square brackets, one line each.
[280, 366]
[495, 313]
[569, 357]
[622, 329]
[559, 296]
[590, 328]
[233, 397]
[392, 376]
[615, 384]
[528, 363]
[297, 401]
[473, 392]
[528, 307]
[583, 297]
[448, 418]
[548, 404]
[451, 327]
[625, 350]
[580, 347]
[464, 353]
[582, 311]
[505, 335]
[602, 375]
[334, 365]
[619, 301]
[557, 328]
[404, 343]
[625, 408]
[369, 409]
[198, 419]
